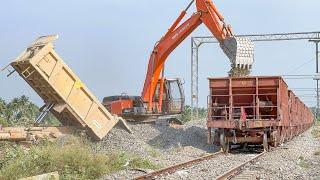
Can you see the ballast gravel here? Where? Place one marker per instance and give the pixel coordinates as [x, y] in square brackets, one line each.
[167, 146]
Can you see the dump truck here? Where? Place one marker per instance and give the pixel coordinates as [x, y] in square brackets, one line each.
[62, 91]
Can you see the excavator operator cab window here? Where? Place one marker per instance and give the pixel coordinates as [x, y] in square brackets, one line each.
[176, 96]
[157, 92]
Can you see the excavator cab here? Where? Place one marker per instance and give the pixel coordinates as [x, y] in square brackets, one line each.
[172, 98]
[133, 108]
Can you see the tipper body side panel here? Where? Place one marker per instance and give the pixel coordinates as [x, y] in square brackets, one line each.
[72, 103]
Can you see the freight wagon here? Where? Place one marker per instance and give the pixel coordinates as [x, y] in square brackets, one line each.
[254, 110]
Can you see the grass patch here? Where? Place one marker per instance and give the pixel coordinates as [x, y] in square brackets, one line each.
[72, 158]
[152, 152]
[3, 122]
[120, 161]
[303, 162]
[316, 132]
[317, 153]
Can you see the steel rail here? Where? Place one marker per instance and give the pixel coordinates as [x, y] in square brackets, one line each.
[237, 170]
[173, 169]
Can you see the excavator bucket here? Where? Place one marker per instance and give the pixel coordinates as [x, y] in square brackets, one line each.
[240, 51]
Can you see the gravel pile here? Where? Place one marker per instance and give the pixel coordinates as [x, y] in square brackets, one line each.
[120, 140]
[148, 140]
[168, 146]
[161, 144]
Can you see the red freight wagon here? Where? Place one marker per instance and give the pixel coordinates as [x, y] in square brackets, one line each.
[254, 110]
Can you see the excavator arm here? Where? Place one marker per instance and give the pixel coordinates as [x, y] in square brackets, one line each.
[208, 14]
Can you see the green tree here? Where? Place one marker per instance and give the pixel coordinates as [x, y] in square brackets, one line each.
[186, 116]
[3, 107]
[3, 122]
[21, 112]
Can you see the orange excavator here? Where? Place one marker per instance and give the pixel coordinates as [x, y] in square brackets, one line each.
[163, 98]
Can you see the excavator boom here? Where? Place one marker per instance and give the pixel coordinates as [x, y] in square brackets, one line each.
[238, 50]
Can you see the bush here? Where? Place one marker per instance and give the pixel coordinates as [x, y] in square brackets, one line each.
[72, 158]
[71, 161]
[21, 112]
[186, 116]
[3, 122]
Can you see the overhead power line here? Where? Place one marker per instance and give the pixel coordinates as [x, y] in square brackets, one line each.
[302, 65]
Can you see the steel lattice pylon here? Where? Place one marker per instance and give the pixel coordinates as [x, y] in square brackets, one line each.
[196, 43]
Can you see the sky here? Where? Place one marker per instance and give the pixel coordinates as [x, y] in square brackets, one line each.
[107, 43]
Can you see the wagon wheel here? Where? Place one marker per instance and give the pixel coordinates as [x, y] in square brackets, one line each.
[224, 143]
[265, 141]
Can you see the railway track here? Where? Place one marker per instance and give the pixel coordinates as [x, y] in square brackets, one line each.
[234, 172]
[173, 169]
[227, 175]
